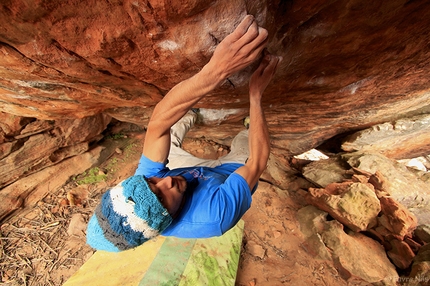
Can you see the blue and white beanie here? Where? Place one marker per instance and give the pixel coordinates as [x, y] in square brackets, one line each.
[128, 215]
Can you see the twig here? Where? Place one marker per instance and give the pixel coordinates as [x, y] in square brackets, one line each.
[53, 264]
[47, 245]
[22, 259]
[55, 223]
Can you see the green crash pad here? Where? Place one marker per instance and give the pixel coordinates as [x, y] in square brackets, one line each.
[167, 261]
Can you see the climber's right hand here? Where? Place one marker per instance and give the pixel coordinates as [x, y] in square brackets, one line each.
[239, 49]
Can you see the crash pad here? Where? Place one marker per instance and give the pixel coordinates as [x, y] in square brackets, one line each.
[167, 261]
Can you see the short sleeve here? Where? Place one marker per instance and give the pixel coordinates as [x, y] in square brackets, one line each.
[150, 168]
[235, 199]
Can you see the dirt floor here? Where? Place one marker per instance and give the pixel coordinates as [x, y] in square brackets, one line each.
[46, 244]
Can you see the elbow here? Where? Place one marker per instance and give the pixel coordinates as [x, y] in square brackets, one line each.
[257, 166]
[262, 168]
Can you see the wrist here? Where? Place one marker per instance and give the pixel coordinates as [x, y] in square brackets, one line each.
[255, 97]
[211, 75]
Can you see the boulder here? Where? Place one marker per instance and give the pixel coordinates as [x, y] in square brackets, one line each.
[389, 178]
[42, 143]
[33, 155]
[26, 192]
[312, 220]
[312, 224]
[347, 65]
[420, 272]
[390, 138]
[353, 204]
[397, 218]
[404, 185]
[423, 232]
[400, 254]
[358, 257]
[326, 171]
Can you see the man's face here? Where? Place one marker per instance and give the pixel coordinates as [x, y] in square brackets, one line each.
[169, 191]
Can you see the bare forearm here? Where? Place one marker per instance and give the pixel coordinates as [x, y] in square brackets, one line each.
[183, 96]
[259, 139]
[259, 144]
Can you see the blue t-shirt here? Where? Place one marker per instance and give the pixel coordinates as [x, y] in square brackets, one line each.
[215, 199]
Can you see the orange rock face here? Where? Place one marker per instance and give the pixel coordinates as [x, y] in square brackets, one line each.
[347, 64]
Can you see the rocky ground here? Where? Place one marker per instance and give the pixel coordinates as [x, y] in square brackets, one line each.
[45, 245]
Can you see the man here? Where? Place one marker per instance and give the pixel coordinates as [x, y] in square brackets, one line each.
[170, 197]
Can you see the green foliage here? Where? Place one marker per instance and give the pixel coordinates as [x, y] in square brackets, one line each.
[129, 150]
[112, 164]
[116, 136]
[92, 176]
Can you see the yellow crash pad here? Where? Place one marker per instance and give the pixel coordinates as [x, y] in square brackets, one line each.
[167, 261]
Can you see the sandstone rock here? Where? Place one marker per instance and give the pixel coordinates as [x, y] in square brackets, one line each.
[28, 191]
[315, 246]
[281, 174]
[390, 138]
[380, 183]
[346, 68]
[312, 223]
[68, 151]
[400, 254]
[358, 257]
[400, 221]
[33, 155]
[353, 204]
[11, 125]
[77, 225]
[7, 148]
[255, 249]
[423, 254]
[82, 130]
[324, 172]
[44, 143]
[404, 186]
[35, 127]
[132, 114]
[382, 230]
[312, 220]
[423, 232]
[420, 272]
[414, 243]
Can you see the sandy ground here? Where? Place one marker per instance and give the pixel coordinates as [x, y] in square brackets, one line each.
[45, 245]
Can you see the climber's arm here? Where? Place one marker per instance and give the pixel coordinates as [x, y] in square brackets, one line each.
[235, 52]
[259, 141]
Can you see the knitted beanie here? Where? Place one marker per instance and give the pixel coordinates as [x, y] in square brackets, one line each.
[128, 215]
